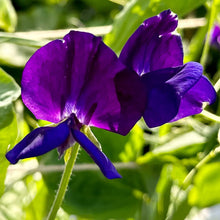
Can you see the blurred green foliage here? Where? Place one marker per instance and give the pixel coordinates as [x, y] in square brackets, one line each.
[9, 91]
[8, 16]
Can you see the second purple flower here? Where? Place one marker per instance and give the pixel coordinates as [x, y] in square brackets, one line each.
[174, 90]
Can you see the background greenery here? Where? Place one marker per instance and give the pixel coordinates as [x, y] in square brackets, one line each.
[170, 172]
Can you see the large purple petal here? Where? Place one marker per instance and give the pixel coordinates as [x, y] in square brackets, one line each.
[152, 46]
[193, 100]
[77, 75]
[132, 97]
[99, 157]
[162, 105]
[43, 82]
[165, 90]
[39, 141]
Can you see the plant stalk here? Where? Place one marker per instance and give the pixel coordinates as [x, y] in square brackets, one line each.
[211, 20]
[63, 183]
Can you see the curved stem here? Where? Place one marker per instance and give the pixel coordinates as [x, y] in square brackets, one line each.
[213, 13]
[190, 176]
[217, 85]
[188, 179]
[63, 183]
[210, 116]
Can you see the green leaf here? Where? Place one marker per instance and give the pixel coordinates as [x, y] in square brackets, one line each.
[133, 148]
[35, 18]
[205, 191]
[8, 134]
[136, 11]
[195, 48]
[185, 145]
[14, 55]
[21, 40]
[184, 6]
[9, 90]
[181, 207]
[37, 208]
[56, 1]
[163, 190]
[90, 195]
[8, 17]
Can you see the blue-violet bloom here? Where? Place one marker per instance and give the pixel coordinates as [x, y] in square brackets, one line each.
[174, 90]
[215, 37]
[74, 82]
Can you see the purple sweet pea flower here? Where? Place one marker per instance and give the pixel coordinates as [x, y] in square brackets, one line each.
[174, 90]
[74, 82]
[215, 36]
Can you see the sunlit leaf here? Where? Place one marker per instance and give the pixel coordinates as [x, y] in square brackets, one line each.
[133, 148]
[37, 208]
[181, 206]
[21, 40]
[187, 144]
[8, 134]
[8, 17]
[163, 190]
[9, 90]
[206, 191]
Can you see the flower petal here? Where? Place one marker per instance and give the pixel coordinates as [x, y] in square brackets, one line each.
[39, 141]
[162, 106]
[132, 99]
[43, 82]
[152, 46]
[215, 36]
[167, 53]
[99, 157]
[192, 101]
[77, 75]
[165, 90]
[186, 78]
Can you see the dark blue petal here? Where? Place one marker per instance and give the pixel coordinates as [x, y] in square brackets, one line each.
[192, 101]
[166, 88]
[186, 78]
[163, 104]
[39, 141]
[132, 99]
[99, 157]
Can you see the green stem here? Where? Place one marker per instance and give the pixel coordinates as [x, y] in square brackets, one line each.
[63, 183]
[217, 85]
[213, 13]
[189, 178]
[210, 116]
